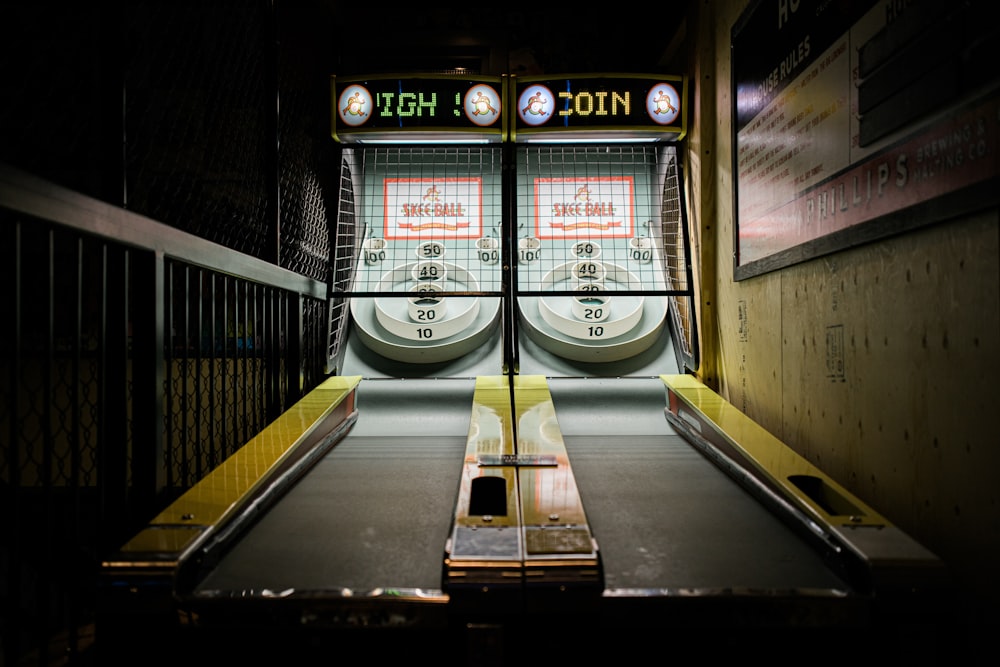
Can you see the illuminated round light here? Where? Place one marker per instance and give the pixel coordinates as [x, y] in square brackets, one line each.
[482, 105]
[536, 105]
[354, 106]
[663, 104]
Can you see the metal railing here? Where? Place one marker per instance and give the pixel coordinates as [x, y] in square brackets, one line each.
[134, 358]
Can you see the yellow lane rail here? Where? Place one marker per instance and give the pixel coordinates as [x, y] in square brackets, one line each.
[263, 465]
[772, 469]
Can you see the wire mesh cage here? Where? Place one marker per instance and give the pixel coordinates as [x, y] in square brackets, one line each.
[419, 239]
[592, 243]
[587, 218]
[601, 247]
[429, 215]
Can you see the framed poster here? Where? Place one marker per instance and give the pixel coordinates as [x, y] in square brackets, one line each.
[855, 120]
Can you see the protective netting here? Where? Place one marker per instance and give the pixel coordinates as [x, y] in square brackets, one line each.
[208, 117]
[418, 225]
[422, 211]
[196, 119]
[589, 218]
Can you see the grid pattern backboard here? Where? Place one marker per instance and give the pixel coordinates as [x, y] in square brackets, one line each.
[589, 218]
[429, 216]
[590, 243]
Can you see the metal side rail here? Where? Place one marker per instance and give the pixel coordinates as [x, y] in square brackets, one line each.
[876, 557]
[520, 536]
[141, 581]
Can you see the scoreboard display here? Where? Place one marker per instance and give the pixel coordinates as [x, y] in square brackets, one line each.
[404, 108]
[599, 106]
[603, 107]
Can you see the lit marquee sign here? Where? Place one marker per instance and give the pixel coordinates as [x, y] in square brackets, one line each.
[388, 108]
[595, 106]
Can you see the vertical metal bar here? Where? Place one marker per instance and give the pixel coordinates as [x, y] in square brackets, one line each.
[220, 329]
[281, 351]
[158, 368]
[269, 357]
[76, 440]
[192, 345]
[239, 363]
[274, 355]
[43, 560]
[227, 382]
[230, 423]
[283, 372]
[508, 235]
[251, 379]
[240, 381]
[170, 371]
[296, 362]
[75, 393]
[219, 365]
[12, 642]
[144, 312]
[112, 451]
[104, 467]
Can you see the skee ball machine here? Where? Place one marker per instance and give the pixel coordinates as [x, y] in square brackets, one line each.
[512, 444]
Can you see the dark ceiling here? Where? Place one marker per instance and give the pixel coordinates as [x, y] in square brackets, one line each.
[482, 38]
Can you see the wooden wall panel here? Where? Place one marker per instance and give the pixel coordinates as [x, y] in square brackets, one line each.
[890, 360]
[750, 340]
[879, 363]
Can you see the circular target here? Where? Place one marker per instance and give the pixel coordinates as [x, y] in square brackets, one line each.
[629, 326]
[569, 315]
[387, 325]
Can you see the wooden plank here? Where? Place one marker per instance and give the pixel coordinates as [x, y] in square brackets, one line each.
[559, 545]
[484, 549]
[889, 372]
[553, 544]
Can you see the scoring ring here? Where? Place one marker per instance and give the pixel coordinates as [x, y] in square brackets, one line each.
[425, 305]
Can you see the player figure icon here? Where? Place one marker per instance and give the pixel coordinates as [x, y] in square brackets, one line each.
[354, 104]
[535, 105]
[663, 103]
[482, 105]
